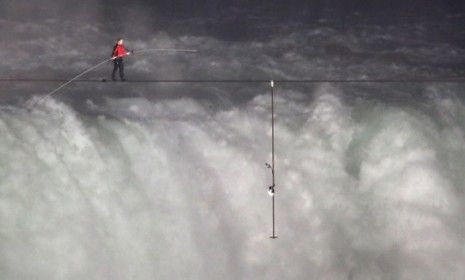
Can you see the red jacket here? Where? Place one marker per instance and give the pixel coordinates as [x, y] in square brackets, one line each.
[119, 51]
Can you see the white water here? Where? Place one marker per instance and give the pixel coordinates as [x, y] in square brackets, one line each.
[370, 181]
[169, 189]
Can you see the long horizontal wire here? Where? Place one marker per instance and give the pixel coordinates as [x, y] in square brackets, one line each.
[315, 81]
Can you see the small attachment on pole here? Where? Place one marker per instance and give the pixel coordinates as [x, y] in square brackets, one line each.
[271, 190]
[272, 83]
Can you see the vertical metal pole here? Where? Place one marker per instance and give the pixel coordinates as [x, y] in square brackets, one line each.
[272, 157]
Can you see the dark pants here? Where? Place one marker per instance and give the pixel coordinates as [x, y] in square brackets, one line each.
[118, 64]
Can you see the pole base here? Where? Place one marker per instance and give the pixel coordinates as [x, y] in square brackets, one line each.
[273, 237]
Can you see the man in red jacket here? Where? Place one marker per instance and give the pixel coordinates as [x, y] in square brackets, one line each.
[117, 55]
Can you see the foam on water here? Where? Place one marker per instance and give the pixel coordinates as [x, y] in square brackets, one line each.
[170, 189]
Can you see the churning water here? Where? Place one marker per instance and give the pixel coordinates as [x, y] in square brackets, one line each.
[370, 178]
[367, 189]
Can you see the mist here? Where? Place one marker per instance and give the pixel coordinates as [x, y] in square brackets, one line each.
[114, 180]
